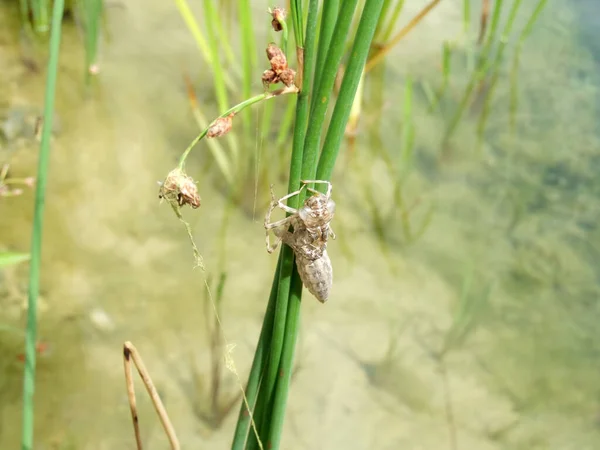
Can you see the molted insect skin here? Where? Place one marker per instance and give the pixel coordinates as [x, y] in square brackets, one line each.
[316, 275]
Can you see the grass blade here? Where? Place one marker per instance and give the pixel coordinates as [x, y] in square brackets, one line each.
[496, 67]
[36, 238]
[514, 99]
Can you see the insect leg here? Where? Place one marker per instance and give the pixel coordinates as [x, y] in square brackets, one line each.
[329, 186]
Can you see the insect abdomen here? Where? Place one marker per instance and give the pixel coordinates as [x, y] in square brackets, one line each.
[316, 275]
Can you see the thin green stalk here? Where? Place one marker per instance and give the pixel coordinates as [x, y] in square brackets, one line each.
[446, 61]
[392, 22]
[214, 46]
[248, 57]
[93, 15]
[24, 10]
[328, 20]
[199, 38]
[466, 15]
[258, 366]
[514, 99]
[384, 13]
[284, 36]
[190, 21]
[36, 238]
[478, 74]
[341, 112]
[497, 60]
[39, 10]
[408, 133]
[297, 22]
[320, 99]
[219, 74]
[224, 40]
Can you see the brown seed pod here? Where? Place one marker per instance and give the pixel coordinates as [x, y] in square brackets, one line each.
[288, 77]
[179, 189]
[269, 77]
[276, 58]
[220, 126]
[278, 17]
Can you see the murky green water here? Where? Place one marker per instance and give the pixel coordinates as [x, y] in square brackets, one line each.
[508, 252]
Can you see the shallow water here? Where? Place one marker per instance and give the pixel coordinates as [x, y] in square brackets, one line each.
[512, 240]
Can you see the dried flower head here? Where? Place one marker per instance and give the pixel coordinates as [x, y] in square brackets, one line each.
[269, 77]
[220, 126]
[288, 77]
[278, 17]
[276, 58]
[179, 189]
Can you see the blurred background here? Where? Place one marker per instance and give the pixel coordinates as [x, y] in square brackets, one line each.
[464, 312]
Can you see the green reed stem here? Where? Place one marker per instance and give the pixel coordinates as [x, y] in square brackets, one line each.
[328, 20]
[259, 364]
[366, 30]
[36, 237]
[514, 96]
[343, 105]
[320, 100]
[287, 267]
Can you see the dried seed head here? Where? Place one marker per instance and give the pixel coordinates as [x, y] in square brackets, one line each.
[220, 126]
[276, 58]
[268, 77]
[288, 77]
[179, 189]
[279, 63]
[278, 17]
